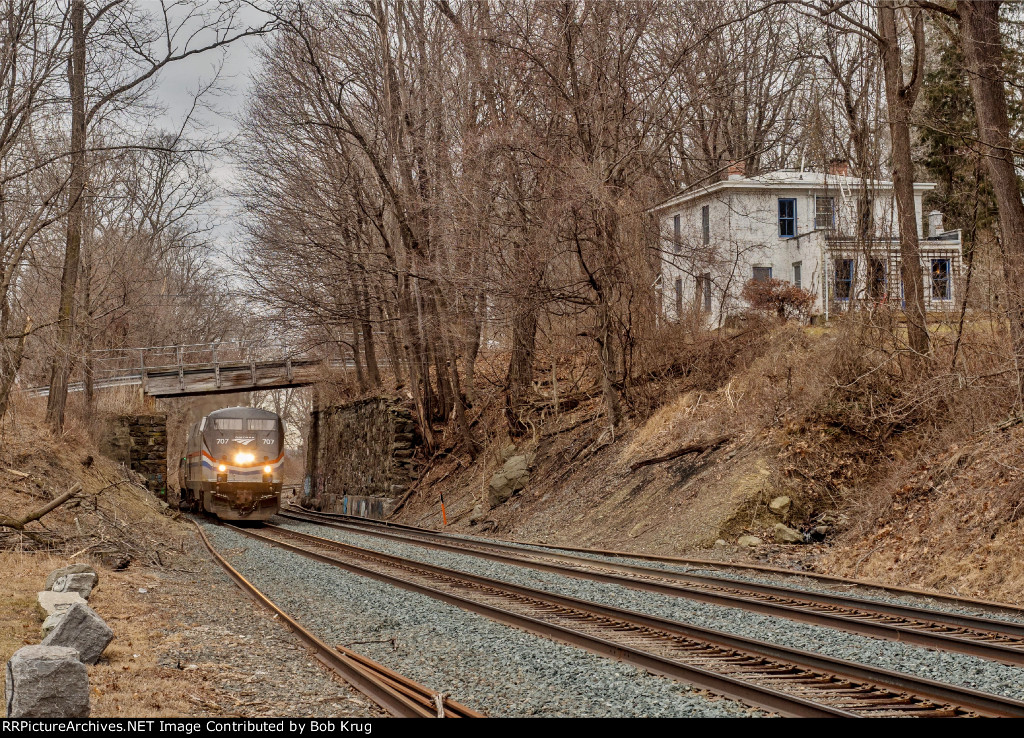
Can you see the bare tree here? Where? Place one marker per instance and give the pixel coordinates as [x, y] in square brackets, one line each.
[134, 46]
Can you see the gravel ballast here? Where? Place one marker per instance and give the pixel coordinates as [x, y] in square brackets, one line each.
[493, 668]
[952, 668]
[794, 579]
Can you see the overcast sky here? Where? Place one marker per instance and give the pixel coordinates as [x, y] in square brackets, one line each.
[175, 90]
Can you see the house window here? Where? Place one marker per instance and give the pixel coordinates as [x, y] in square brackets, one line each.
[787, 217]
[677, 234]
[705, 224]
[825, 213]
[762, 274]
[797, 268]
[876, 278]
[679, 297]
[844, 279]
[940, 279]
[703, 296]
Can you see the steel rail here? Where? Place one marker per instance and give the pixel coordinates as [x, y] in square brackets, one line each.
[981, 637]
[370, 678]
[766, 657]
[941, 597]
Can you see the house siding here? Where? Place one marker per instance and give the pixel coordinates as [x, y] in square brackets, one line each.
[744, 233]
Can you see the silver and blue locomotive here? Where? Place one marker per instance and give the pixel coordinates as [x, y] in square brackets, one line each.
[233, 465]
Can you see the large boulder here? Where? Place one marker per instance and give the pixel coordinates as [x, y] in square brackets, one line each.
[780, 505]
[51, 622]
[785, 534]
[83, 630]
[46, 682]
[80, 583]
[51, 602]
[513, 478]
[64, 571]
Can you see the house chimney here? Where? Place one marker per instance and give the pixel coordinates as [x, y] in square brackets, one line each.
[839, 167]
[737, 169]
[934, 223]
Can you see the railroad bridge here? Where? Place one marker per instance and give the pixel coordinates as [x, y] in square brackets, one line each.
[200, 369]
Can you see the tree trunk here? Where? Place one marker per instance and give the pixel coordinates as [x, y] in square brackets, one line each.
[411, 346]
[357, 361]
[519, 382]
[450, 360]
[983, 53]
[900, 101]
[473, 336]
[11, 364]
[61, 369]
[608, 352]
[87, 359]
[369, 347]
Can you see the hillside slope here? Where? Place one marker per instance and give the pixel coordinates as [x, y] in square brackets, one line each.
[906, 494]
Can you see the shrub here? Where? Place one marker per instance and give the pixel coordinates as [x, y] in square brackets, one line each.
[778, 296]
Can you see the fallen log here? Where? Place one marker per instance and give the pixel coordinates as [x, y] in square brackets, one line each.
[693, 448]
[20, 523]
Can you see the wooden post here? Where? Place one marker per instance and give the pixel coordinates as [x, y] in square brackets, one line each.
[181, 369]
[216, 367]
[142, 369]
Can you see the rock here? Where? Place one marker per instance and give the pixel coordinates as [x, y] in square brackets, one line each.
[72, 569]
[47, 682]
[51, 602]
[115, 560]
[478, 514]
[83, 630]
[749, 541]
[818, 533]
[785, 534]
[780, 505]
[720, 544]
[80, 583]
[513, 477]
[51, 622]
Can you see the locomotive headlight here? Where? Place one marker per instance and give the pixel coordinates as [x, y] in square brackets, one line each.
[244, 458]
[267, 470]
[222, 468]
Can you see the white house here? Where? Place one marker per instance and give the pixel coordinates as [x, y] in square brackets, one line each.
[831, 234]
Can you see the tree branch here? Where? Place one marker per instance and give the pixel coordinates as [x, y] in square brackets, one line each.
[20, 523]
[693, 448]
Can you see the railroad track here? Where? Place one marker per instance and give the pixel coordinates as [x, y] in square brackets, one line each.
[983, 637]
[400, 696]
[712, 564]
[787, 681]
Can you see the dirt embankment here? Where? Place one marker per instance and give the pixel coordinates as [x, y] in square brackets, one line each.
[955, 523]
[916, 484]
[183, 632]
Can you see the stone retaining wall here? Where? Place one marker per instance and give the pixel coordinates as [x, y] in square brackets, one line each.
[140, 443]
[362, 449]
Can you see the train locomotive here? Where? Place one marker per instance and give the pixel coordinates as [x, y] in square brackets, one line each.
[233, 464]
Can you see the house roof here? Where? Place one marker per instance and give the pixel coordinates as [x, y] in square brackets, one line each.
[781, 179]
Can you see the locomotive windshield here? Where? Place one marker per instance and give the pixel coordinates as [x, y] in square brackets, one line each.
[239, 439]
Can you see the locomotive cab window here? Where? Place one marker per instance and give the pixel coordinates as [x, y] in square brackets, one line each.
[229, 423]
[262, 424]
